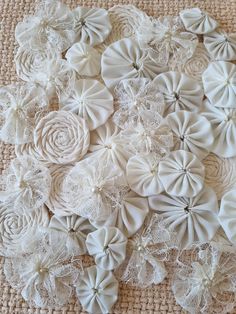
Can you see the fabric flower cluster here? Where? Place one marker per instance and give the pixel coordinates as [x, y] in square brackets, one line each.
[114, 124]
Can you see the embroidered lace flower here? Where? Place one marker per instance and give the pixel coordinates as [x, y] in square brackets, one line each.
[25, 184]
[19, 105]
[61, 137]
[91, 25]
[50, 27]
[44, 277]
[133, 97]
[201, 285]
[165, 39]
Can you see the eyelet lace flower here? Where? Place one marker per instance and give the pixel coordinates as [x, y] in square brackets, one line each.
[15, 227]
[50, 27]
[61, 137]
[147, 251]
[92, 187]
[45, 276]
[19, 106]
[133, 97]
[91, 25]
[25, 184]
[201, 285]
[73, 230]
[165, 39]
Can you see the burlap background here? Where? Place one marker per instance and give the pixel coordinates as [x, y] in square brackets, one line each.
[154, 300]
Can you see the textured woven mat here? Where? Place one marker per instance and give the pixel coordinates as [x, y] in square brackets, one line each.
[154, 300]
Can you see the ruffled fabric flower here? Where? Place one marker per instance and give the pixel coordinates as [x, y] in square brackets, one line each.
[50, 28]
[97, 290]
[45, 276]
[19, 106]
[91, 25]
[15, 227]
[107, 145]
[25, 184]
[220, 173]
[165, 39]
[133, 97]
[201, 285]
[62, 137]
[73, 230]
[92, 187]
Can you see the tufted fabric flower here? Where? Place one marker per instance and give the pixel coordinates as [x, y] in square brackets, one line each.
[97, 290]
[91, 25]
[45, 276]
[16, 227]
[201, 285]
[73, 230]
[133, 97]
[19, 106]
[26, 184]
[61, 137]
[50, 27]
[92, 187]
[165, 39]
[91, 100]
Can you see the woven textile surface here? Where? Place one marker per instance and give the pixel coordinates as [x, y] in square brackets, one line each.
[157, 299]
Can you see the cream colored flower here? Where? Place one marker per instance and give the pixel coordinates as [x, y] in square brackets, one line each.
[62, 137]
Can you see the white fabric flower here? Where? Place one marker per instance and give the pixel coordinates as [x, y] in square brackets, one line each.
[57, 202]
[15, 227]
[219, 81]
[128, 213]
[166, 40]
[26, 184]
[227, 216]
[125, 19]
[192, 132]
[106, 144]
[193, 219]
[92, 187]
[197, 21]
[19, 106]
[182, 174]
[108, 247]
[221, 45]
[221, 242]
[180, 91]
[133, 97]
[202, 285]
[91, 25]
[31, 150]
[50, 27]
[142, 175]
[220, 173]
[74, 230]
[61, 137]
[84, 59]
[125, 59]
[97, 290]
[45, 276]
[223, 122]
[91, 100]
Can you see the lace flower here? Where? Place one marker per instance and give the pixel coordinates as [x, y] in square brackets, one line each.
[26, 184]
[74, 230]
[165, 39]
[44, 277]
[61, 137]
[91, 25]
[91, 187]
[15, 227]
[50, 27]
[133, 97]
[19, 106]
[201, 286]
